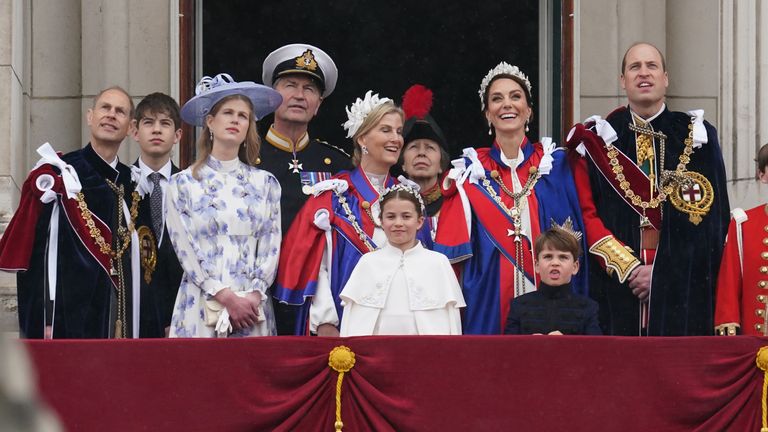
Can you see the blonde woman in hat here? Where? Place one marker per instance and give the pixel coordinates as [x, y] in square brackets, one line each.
[340, 222]
[499, 199]
[224, 216]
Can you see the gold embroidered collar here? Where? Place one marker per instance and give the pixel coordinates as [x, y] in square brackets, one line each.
[284, 143]
[431, 195]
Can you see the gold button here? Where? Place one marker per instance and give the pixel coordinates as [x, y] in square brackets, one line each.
[765, 228]
[327, 161]
[762, 284]
[760, 312]
[761, 298]
[764, 255]
[258, 161]
[366, 205]
[765, 241]
[764, 269]
[759, 327]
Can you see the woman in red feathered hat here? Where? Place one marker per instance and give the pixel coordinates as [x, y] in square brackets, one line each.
[424, 156]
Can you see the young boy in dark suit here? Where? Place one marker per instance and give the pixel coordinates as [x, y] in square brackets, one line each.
[554, 309]
[157, 129]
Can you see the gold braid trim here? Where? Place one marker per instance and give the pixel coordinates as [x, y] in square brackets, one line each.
[727, 329]
[762, 363]
[342, 360]
[95, 232]
[617, 257]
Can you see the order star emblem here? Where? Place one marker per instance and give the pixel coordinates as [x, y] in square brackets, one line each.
[295, 166]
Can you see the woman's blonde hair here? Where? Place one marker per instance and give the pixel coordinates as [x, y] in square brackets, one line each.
[249, 150]
[371, 120]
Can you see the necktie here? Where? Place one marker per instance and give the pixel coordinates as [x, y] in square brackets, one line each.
[156, 204]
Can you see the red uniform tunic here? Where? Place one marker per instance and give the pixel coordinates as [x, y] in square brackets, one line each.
[742, 295]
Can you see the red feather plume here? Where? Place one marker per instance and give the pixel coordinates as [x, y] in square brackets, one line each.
[417, 101]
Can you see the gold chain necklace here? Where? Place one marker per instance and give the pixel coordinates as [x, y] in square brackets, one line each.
[667, 177]
[122, 242]
[95, 232]
[515, 214]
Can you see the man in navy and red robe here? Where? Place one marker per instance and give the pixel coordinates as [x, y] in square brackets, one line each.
[71, 240]
[652, 189]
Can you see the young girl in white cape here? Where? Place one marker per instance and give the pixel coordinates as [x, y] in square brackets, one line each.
[402, 288]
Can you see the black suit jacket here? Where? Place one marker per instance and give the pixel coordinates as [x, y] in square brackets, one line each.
[159, 294]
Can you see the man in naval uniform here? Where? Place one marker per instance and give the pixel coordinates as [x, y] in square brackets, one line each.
[304, 75]
[651, 185]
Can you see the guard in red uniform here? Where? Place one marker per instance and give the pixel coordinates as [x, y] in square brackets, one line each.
[742, 286]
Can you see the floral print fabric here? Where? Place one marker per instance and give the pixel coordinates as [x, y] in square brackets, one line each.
[225, 228]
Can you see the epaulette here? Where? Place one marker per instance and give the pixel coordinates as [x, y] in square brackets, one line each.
[338, 149]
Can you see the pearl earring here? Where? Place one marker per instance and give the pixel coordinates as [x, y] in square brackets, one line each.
[211, 131]
[490, 129]
[364, 149]
[526, 126]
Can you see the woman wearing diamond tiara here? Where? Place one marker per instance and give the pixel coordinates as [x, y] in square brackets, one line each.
[340, 222]
[224, 216]
[402, 288]
[499, 199]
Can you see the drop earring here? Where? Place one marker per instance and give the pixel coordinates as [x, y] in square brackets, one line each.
[526, 126]
[490, 129]
[211, 132]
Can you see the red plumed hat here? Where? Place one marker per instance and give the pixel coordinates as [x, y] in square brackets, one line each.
[417, 103]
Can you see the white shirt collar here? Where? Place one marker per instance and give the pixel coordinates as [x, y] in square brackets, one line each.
[653, 117]
[145, 184]
[165, 171]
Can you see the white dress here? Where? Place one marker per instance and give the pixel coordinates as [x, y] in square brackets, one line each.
[391, 292]
[225, 229]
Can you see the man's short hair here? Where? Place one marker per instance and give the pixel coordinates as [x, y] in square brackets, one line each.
[557, 239]
[121, 90]
[159, 103]
[624, 59]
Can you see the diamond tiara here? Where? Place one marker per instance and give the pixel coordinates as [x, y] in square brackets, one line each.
[502, 68]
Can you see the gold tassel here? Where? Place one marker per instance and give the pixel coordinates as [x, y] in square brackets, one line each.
[341, 359]
[762, 364]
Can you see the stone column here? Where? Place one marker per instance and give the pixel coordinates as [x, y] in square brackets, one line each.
[14, 87]
[744, 96]
[54, 57]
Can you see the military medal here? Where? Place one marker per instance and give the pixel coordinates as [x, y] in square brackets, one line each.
[311, 178]
[295, 166]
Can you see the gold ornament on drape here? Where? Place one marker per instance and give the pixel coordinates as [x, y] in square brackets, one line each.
[342, 360]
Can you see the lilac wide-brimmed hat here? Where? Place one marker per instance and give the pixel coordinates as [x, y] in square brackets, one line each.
[210, 91]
